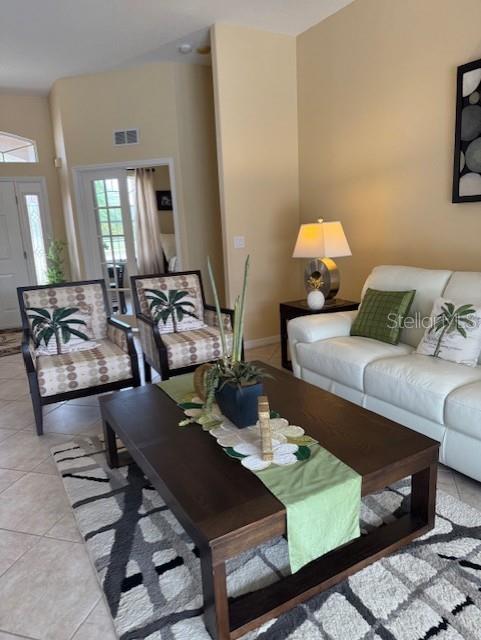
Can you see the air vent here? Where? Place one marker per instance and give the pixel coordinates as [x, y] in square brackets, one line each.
[126, 136]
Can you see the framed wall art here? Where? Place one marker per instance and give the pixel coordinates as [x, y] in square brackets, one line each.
[164, 200]
[467, 145]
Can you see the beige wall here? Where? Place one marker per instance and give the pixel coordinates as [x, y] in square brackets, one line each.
[86, 110]
[256, 111]
[29, 116]
[376, 128]
[198, 167]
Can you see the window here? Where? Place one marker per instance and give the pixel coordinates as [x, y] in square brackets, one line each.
[109, 221]
[16, 149]
[32, 205]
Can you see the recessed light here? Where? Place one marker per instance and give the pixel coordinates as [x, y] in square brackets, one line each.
[185, 48]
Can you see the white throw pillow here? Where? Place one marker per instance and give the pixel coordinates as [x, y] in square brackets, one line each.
[175, 310]
[454, 332]
[71, 326]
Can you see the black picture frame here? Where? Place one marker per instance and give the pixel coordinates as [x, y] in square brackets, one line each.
[164, 200]
[460, 168]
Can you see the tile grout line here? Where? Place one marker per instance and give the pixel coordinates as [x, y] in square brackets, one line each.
[15, 635]
[37, 542]
[86, 617]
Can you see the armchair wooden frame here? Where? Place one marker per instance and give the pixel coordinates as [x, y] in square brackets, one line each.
[38, 401]
[165, 371]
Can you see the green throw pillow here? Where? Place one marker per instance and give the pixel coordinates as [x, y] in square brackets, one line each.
[381, 314]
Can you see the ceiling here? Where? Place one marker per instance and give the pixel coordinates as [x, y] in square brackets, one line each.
[42, 40]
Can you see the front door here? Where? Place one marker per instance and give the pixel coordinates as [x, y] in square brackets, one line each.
[13, 257]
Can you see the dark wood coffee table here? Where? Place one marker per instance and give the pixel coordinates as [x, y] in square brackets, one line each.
[226, 509]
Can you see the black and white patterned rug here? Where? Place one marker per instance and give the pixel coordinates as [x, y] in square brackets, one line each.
[149, 568]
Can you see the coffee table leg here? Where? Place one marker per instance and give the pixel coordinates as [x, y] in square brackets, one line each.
[216, 604]
[423, 493]
[111, 451]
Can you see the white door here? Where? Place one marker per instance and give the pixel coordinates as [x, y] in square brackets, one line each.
[109, 248]
[23, 231]
[13, 257]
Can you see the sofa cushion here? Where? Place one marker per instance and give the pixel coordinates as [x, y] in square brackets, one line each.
[463, 410]
[464, 285]
[429, 285]
[344, 359]
[417, 383]
[381, 315]
[104, 364]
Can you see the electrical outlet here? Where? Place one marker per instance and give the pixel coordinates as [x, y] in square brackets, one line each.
[239, 242]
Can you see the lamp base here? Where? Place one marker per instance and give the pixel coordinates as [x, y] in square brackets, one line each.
[329, 273]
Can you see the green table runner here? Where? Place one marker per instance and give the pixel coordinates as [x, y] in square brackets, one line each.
[322, 495]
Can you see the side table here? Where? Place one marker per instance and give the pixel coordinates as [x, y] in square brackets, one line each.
[296, 308]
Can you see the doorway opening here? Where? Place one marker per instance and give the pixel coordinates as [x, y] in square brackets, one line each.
[108, 216]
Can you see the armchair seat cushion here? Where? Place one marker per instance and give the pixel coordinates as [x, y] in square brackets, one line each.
[104, 364]
[188, 348]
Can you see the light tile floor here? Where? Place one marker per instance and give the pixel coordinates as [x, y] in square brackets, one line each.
[48, 588]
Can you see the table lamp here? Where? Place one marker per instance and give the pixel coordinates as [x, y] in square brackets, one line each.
[321, 241]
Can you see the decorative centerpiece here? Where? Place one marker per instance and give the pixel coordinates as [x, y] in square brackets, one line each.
[234, 384]
[315, 297]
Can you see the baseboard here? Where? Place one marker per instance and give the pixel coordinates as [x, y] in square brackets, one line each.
[261, 342]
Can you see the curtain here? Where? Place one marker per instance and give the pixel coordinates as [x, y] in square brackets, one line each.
[149, 251]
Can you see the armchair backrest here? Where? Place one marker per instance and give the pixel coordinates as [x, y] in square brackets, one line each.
[190, 281]
[89, 296]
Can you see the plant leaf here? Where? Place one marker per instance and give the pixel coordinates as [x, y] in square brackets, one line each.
[175, 295]
[190, 405]
[73, 321]
[186, 422]
[302, 441]
[47, 335]
[41, 312]
[303, 453]
[233, 454]
[63, 312]
[66, 335]
[79, 334]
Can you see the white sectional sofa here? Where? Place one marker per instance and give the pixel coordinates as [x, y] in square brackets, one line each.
[438, 398]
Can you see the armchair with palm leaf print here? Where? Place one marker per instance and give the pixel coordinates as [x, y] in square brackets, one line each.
[178, 330]
[71, 347]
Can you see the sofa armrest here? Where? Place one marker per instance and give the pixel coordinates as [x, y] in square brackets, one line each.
[320, 326]
[317, 327]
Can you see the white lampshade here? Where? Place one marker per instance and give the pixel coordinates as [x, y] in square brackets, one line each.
[321, 240]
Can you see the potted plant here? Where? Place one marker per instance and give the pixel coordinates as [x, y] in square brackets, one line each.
[231, 382]
[55, 258]
[315, 297]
